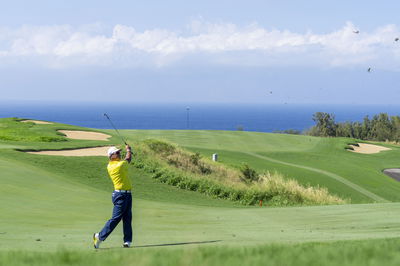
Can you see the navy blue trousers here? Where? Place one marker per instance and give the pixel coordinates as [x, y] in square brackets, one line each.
[122, 210]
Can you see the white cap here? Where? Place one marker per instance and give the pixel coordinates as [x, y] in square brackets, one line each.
[112, 150]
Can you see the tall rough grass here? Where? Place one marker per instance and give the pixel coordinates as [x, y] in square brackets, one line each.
[277, 185]
[169, 154]
[174, 166]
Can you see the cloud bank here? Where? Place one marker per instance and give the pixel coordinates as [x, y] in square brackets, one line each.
[61, 46]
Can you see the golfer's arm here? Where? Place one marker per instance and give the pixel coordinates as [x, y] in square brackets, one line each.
[128, 156]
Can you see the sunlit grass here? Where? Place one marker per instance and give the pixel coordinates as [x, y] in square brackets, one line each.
[363, 253]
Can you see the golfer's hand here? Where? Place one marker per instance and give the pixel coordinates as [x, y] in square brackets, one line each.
[128, 156]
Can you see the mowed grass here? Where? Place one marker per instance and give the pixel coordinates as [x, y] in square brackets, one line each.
[51, 206]
[363, 253]
[310, 160]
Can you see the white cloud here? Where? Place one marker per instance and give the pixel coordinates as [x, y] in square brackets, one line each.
[222, 43]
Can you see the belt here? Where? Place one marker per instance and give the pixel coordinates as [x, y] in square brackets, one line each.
[123, 191]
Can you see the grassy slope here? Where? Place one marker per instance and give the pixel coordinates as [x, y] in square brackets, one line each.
[62, 201]
[321, 154]
[37, 203]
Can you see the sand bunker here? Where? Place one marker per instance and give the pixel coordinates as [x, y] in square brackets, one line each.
[368, 148]
[36, 122]
[96, 151]
[85, 135]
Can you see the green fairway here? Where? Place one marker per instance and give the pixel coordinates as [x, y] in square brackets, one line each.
[51, 205]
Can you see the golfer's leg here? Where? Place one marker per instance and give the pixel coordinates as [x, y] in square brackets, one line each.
[113, 222]
[127, 219]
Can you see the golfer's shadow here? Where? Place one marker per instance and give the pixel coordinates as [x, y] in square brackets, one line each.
[178, 244]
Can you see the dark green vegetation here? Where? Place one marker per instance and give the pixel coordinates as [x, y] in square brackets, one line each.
[51, 206]
[380, 128]
[249, 174]
[288, 131]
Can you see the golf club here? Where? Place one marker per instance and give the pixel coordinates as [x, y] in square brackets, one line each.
[123, 140]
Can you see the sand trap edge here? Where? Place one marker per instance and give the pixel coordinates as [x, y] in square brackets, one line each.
[79, 152]
[84, 135]
[38, 122]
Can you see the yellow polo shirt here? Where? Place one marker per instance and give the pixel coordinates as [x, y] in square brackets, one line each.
[118, 171]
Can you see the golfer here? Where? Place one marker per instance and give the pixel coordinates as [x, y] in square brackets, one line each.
[121, 197]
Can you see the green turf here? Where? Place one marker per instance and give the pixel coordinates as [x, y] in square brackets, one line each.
[363, 253]
[40, 204]
[52, 205]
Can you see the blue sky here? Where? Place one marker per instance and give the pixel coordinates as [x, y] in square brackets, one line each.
[279, 52]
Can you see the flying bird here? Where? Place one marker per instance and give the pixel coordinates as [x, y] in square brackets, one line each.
[270, 92]
[369, 69]
[356, 31]
[396, 39]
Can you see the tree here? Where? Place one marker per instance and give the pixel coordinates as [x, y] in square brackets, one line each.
[381, 127]
[357, 130]
[344, 130]
[396, 128]
[326, 125]
[366, 128]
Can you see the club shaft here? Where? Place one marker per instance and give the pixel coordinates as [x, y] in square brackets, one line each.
[112, 124]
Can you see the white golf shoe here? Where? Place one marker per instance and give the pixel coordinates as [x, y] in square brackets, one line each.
[96, 240]
[127, 244]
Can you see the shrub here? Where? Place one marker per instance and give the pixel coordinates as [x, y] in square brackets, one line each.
[159, 146]
[290, 191]
[195, 158]
[249, 174]
[288, 131]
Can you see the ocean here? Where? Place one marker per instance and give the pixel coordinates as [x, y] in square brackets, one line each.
[249, 117]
